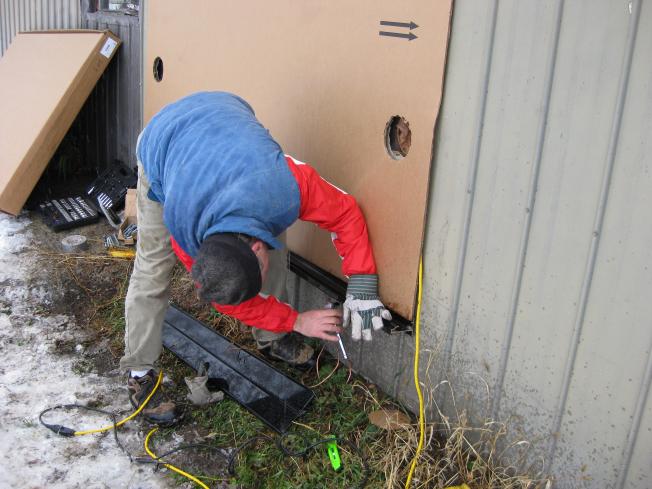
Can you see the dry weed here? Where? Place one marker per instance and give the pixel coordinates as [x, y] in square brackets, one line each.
[455, 452]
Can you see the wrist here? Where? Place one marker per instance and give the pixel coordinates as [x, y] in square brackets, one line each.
[293, 320]
[366, 285]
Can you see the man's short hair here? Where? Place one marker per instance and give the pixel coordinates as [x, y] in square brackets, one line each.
[226, 269]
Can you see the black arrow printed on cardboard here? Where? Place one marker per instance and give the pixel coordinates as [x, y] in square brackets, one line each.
[408, 25]
[411, 25]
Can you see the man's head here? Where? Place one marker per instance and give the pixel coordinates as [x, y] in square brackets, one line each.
[230, 268]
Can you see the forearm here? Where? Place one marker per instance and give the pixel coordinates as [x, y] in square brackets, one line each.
[263, 313]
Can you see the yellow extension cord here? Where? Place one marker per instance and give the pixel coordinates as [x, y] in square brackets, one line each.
[149, 452]
[131, 416]
[170, 466]
[422, 424]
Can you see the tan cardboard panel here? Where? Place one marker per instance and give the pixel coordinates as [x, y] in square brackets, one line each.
[325, 82]
[44, 81]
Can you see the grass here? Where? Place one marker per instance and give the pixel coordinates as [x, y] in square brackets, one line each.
[456, 449]
[339, 409]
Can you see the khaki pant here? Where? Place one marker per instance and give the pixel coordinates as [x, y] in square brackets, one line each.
[149, 286]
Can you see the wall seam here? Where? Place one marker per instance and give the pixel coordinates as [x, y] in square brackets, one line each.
[597, 230]
[20, 19]
[635, 426]
[10, 21]
[3, 26]
[529, 212]
[471, 185]
[398, 367]
[31, 16]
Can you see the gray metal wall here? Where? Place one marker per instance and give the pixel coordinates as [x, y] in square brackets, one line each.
[538, 251]
[112, 115]
[35, 15]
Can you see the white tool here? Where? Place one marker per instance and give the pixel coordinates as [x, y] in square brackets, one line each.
[334, 305]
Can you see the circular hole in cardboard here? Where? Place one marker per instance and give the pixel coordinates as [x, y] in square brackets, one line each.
[398, 137]
[158, 69]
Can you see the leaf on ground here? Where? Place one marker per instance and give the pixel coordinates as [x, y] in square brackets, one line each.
[389, 419]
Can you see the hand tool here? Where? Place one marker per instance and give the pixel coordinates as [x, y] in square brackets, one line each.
[335, 305]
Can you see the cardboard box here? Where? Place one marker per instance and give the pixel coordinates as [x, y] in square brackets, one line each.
[325, 78]
[45, 78]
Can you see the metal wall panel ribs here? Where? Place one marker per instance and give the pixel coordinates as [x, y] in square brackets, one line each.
[35, 15]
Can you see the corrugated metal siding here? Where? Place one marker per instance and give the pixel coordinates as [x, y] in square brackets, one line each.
[538, 253]
[35, 15]
[112, 114]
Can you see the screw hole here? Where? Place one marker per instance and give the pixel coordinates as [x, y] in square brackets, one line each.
[398, 137]
[158, 69]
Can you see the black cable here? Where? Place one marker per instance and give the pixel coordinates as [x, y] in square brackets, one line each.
[242, 446]
[117, 441]
[231, 459]
[70, 432]
[195, 445]
[309, 446]
[278, 442]
[57, 428]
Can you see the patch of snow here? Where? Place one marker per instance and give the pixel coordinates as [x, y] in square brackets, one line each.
[32, 379]
[14, 238]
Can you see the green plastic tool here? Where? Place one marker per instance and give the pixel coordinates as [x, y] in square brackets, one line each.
[334, 454]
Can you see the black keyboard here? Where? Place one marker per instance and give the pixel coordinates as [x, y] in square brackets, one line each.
[69, 212]
[110, 188]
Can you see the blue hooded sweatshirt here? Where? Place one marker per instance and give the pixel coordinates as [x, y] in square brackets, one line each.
[216, 169]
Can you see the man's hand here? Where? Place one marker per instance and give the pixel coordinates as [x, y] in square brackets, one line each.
[363, 308]
[320, 323]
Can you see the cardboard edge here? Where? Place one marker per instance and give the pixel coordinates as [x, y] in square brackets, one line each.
[433, 166]
[40, 142]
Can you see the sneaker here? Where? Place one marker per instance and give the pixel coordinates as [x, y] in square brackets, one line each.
[160, 409]
[290, 349]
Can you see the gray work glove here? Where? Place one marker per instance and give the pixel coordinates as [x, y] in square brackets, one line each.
[362, 307]
[198, 391]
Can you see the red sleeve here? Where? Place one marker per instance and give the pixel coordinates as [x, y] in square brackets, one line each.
[263, 313]
[260, 312]
[336, 211]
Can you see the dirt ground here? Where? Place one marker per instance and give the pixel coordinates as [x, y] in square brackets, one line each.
[61, 328]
